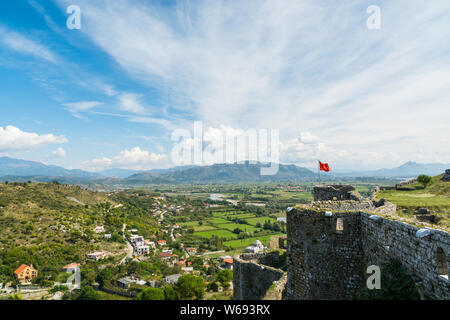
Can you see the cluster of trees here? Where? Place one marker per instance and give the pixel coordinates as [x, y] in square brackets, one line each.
[188, 287]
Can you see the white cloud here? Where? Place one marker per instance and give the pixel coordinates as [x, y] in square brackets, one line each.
[130, 102]
[59, 153]
[135, 158]
[12, 138]
[77, 108]
[298, 66]
[23, 44]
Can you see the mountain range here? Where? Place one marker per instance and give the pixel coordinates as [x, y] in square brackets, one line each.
[22, 170]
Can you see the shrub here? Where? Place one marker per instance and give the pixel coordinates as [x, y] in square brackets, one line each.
[396, 284]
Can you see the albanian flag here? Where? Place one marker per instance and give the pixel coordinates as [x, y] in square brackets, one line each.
[324, 167]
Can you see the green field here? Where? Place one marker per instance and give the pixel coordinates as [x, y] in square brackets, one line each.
[217, 221]
[218, 233]
[246, 242]
[435, 197]
[243, 227]
[204, 228]
[261, 220]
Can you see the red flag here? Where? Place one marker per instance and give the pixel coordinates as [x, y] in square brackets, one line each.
[324, 167]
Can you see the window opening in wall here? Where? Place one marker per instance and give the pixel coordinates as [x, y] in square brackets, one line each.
[441, 260]
[386, 239]
[340, 224]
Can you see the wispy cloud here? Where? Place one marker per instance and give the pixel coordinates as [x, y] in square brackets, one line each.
[299, 66]
[78, 108]
[23, 44]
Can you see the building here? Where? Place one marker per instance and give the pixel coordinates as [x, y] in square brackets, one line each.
[72, 267]
[140, 250]
[172, 279]
[99, 229]
[165, 256]
[125, 282]
[255, 247]
[96, 256]
[25, 272]
[228, 264]
[223, 258]
[107, 236]
[161, 242]
[191, 250]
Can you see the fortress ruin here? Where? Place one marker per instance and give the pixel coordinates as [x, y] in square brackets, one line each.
[330, 245]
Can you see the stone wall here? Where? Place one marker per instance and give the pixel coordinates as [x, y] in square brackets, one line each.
[253, 276]
[446, 176]
[384, 239]
[326, 263]
[335, 192]
[323, 263]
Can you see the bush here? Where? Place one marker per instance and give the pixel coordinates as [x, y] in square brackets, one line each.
[190, 286]
[88, 293]
[151, 294]
[424, 180]
[396, 284]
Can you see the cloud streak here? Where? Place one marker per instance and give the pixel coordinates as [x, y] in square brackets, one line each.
[299, 66]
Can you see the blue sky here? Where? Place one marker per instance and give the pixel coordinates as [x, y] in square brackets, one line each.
[111, 93]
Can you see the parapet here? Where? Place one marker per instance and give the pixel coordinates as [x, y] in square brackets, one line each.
[335, 192]
[254, 276]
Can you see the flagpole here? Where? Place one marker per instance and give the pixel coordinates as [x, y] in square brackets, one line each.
[318, 168]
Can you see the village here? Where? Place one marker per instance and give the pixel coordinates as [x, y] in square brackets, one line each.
[175, 256]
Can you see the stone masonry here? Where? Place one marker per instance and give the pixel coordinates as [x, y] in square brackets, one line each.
[328, 254]
[253, 276]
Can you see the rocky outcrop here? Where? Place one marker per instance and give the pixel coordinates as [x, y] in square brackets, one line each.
[446, 176]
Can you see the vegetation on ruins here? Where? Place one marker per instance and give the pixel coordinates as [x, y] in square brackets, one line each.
[396, 284]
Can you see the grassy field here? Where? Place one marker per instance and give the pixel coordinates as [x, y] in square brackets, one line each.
[261, 220]
[246, 242]
[243, 227]
[219, 233]
[435, 197]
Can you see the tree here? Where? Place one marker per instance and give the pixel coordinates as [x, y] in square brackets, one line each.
[170, 293]
[104, 276]
[190, 286]
[424, 180]
[224, 277]
[151, 294]
[213, 286]
[88, 293]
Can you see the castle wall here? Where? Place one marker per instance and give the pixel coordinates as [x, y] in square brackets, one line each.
[384, 239]
[252, 278]
[324, 263]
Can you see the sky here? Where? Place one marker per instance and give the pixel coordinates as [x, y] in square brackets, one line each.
[112, 93]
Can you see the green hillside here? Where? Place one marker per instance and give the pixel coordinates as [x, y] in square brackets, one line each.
[435, 197]
[50, 225]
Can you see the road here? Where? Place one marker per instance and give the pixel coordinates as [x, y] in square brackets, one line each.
[129, 246]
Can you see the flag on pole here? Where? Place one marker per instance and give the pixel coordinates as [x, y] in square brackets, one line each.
[324, 167]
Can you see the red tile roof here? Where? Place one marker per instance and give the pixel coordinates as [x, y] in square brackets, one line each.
[71, 265]
[20, 269]
[230, 261]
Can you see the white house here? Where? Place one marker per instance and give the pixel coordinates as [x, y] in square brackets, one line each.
[256, 247]
[99, 229]
[96, 255]
[140, 250]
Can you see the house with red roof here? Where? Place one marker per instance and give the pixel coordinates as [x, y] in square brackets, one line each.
[25, 272]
